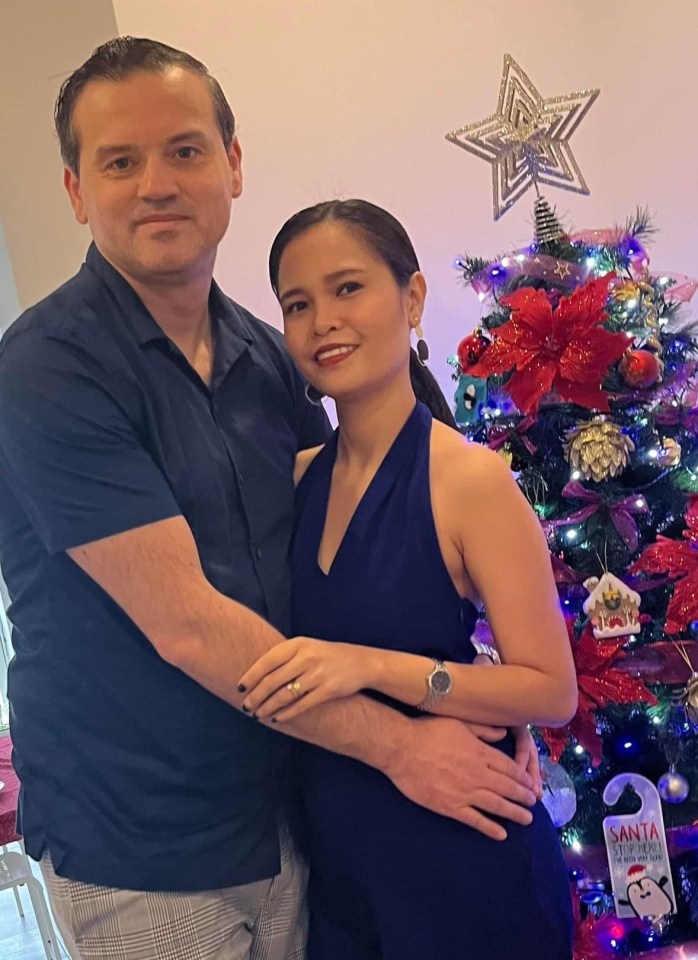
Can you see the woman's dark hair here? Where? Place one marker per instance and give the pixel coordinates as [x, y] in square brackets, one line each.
[116, 60]
[387, 239]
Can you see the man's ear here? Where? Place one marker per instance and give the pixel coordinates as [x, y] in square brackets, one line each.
[235, 161]
[71, 183]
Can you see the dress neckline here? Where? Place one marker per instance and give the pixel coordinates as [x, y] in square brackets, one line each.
[397, 462]
[380, 482]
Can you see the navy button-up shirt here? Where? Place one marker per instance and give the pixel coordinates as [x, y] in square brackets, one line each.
[133, 775]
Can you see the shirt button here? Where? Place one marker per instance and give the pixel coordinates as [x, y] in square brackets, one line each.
[258, 552]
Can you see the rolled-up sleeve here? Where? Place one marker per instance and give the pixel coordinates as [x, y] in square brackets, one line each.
[70, 449]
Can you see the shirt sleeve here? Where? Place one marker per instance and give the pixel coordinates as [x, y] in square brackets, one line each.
[70, 448]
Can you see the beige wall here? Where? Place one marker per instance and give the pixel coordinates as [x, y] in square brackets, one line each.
[41, 41]
[353, 97]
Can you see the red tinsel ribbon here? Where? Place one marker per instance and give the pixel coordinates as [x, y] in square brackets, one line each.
[588, 945]
[620, 511]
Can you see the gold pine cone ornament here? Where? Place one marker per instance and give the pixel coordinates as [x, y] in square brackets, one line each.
[598, 449]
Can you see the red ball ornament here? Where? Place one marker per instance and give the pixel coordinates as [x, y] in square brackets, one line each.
[470, 349]
[640, 368]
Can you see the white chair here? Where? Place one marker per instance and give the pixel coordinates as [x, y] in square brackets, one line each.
[15, 871]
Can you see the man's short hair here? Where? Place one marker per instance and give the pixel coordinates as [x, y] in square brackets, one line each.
[118, 59]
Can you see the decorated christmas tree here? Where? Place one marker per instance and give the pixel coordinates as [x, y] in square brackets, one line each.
[583, 374]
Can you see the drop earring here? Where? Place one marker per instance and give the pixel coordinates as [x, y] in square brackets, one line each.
[422, 348]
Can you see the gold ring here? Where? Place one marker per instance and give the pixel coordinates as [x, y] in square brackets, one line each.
[295, 688]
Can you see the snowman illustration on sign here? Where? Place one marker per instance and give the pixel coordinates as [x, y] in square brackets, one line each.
[645, 895]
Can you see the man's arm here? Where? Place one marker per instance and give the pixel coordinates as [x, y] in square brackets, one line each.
[71, 449]
[154, 574]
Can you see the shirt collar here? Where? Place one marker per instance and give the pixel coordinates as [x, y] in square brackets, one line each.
[233, 335]
[138, 319]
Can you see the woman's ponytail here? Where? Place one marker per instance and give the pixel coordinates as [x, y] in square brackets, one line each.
[428, 391]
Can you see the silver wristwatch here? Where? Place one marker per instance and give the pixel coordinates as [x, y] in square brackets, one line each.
[439, 685]
[485, 650]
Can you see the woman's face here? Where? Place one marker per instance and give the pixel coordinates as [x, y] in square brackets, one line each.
[346, 321]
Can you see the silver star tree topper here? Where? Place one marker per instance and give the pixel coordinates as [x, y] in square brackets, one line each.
[527, 141]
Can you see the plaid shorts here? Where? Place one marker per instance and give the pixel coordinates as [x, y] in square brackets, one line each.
[266, 920]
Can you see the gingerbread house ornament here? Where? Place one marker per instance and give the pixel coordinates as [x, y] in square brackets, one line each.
[612, 607]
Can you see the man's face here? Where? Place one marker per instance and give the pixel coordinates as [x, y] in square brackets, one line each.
[155, 182]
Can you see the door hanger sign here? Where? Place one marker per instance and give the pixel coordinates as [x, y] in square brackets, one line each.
[638, 858]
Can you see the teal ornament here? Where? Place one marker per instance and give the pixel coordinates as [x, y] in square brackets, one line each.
[471, 397]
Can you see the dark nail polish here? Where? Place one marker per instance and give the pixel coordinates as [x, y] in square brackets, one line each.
[274, 720]
[242, 688]
[246, 709]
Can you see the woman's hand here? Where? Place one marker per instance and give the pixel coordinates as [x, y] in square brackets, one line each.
[301, 673]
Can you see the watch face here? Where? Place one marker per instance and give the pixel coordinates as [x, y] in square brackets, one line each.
[441, 682]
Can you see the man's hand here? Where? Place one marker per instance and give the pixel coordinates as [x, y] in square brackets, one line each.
[526, 750]
[527, 757]
[447, 767]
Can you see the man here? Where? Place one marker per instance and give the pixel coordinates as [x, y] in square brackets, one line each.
[148, 431]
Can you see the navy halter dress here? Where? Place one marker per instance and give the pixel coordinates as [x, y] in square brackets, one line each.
[391, 880]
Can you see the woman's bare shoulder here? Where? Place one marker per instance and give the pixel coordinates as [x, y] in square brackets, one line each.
[303, 460]
[454, 457]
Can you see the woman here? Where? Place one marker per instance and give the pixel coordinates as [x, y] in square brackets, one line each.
[403, 530]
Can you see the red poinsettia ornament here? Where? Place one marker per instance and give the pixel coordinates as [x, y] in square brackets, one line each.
[566, 348]
[678, 559]
[599, 682]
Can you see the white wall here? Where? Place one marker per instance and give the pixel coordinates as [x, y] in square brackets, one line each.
[353, 98]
